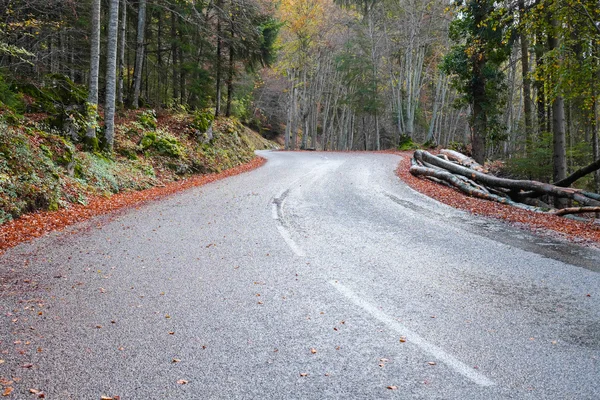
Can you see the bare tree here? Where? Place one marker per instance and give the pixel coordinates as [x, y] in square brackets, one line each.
[111, 74]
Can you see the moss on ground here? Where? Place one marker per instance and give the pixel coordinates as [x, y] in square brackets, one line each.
[42, 169]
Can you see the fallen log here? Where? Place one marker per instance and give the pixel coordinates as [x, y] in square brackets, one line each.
[516, 185]
[580, 173]
[463, 160]
[464, 187]
[576, 210]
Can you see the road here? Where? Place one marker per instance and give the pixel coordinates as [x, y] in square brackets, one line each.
[317, 276]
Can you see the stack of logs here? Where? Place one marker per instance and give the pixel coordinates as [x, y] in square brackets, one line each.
[456, 170]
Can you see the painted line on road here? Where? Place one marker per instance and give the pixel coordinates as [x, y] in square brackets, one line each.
[290, 242]
[414, 338]
[277, 214]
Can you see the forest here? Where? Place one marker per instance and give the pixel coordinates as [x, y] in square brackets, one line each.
[511, 83]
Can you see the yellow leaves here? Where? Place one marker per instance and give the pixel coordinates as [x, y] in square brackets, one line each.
[7, 391]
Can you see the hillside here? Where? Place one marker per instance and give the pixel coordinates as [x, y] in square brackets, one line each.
[42, 169]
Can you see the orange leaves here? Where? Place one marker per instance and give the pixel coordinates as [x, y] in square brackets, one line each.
[34, 225]
[568, 228]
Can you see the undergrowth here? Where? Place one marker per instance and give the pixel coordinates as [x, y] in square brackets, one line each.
[44, 168]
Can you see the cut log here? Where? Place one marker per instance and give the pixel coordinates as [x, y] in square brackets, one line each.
[464, 186]
[577, 210]
[517, 185]
[580, 173]
[463, 160]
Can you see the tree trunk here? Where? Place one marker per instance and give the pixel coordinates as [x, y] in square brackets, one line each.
[122, 52]
[479, 117]
[159, 57]
[111, 74]
[92, 112]
[526, 82]
[174, 75]
[596, 134]
[139, 55]
[539, 85]
[230, 73]
[515, 185]
[559, 157]
[218, 66]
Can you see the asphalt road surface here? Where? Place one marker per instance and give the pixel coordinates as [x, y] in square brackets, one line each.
[317, 276]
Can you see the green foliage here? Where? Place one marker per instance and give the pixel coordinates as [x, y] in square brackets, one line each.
[9, 99]
[163, 143]
[537, 165]
[483, 34]
[406, 143]
[357, 67]
[64, 101]
[28, 174]
[148, 119]
[269, 30]
[202, 120]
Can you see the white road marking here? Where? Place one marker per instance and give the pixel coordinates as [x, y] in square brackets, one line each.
[274, 211]
[290, 242]
[414, 338]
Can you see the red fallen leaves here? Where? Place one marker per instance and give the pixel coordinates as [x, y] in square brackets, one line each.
[34, 225]
[566, 227]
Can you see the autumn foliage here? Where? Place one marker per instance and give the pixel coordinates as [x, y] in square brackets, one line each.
[567, 228]
[34, 225]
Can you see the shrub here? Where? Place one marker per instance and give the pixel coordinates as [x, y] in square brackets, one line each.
[406, 143]
[202, 120]
[148, 119]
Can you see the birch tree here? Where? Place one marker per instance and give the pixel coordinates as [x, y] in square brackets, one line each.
[111, 74]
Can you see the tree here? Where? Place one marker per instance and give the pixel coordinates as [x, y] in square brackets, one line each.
[476, 62]
[92, 102]
[111, 74]
[139, 54]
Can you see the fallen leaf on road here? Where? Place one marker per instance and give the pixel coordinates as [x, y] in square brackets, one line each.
[34, 391]
[26, 365]
[402, 339]
[1, 361]
[313, 350]
[171, 333]
[167, 316]
[98, 326]
[7, 391]
[431, 363]
[303, 374]
[392, 387]
[175, 360]
[182, 382]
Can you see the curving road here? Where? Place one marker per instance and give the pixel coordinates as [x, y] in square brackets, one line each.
[317, 276]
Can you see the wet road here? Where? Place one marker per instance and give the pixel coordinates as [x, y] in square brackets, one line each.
[316, 276]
